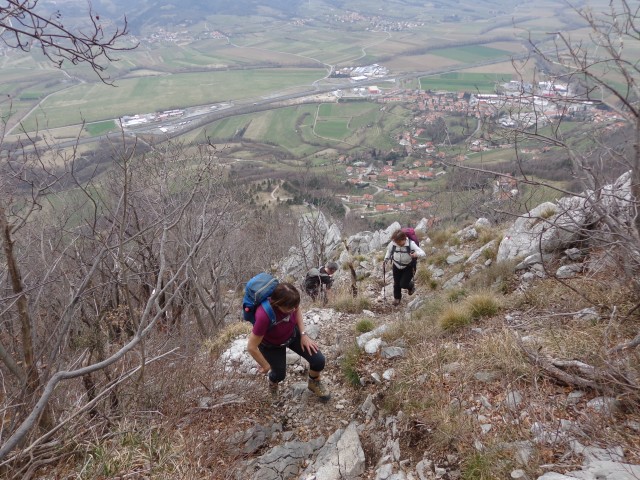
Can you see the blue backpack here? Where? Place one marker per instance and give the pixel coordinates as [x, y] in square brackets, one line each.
[256, 293]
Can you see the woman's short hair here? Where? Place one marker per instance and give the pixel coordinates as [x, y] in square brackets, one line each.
[398, 236]
[285, 297]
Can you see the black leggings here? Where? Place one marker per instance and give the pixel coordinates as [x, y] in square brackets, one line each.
[277, 358]
[402, 278]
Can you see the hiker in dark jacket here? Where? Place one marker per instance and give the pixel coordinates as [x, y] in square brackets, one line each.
[401, 252]
[316, 278]
[268, 344]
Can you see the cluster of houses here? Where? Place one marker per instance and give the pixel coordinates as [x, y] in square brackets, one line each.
[429, 106]
[375, 23]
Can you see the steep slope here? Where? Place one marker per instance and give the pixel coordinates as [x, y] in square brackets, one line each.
[473, 380]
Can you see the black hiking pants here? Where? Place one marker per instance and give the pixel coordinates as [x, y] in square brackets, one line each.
[402, 278]
[277, 358]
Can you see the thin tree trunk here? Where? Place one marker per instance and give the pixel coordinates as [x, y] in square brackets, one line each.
[32, 378]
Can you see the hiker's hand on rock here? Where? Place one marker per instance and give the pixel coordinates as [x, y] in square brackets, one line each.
[307, 344]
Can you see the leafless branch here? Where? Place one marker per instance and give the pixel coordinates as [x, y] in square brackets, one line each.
[25, 26]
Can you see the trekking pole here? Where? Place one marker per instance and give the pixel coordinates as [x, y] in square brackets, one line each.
[384, 281]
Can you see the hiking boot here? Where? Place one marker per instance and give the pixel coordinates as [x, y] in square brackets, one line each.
[318, 388]
[273, 390]
[396, 302]
[411, 289]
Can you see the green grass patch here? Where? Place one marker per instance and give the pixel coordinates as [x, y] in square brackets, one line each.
[471, 53]
[99, 128]
[464, 82]
[335, 128]
[349, 365]
[365, 325]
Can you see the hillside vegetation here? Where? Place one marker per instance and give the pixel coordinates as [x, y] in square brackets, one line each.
[122, 267]
[465, 396]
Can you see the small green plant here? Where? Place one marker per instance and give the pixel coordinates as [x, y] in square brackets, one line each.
[454, 317]
[433, 284]
[478, 466]
[483, 305]
[365, 325]
[349, 365]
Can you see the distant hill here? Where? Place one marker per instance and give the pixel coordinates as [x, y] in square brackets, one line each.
[161, 12]
[145, 13]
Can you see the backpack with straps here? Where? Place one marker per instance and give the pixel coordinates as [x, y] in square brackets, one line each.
[312, 279]
[256, 293]
[395, 248]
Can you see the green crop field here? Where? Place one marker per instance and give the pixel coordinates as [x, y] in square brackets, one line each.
[472, 53]
[339, 125]
[100, 128]
[465, 82]
[335, 128]
[149, 94]
[228, 127]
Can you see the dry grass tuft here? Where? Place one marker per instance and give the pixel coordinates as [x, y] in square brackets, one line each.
[551, 295]
[421, 327]
[454, 317]
[548, 212]
[423, 276]
[131, 448]
[345, 302]
[439, 259]
[216, 345]
[439, 238]
[484, 304]
[486, 234]
[499, 276]
[455, 294]
[498, 350]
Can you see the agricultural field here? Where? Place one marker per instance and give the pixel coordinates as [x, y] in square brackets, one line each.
[268, 54]
[100, 128]
[95, 102]
[464, 82]
[471, 53]
[309, 129]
